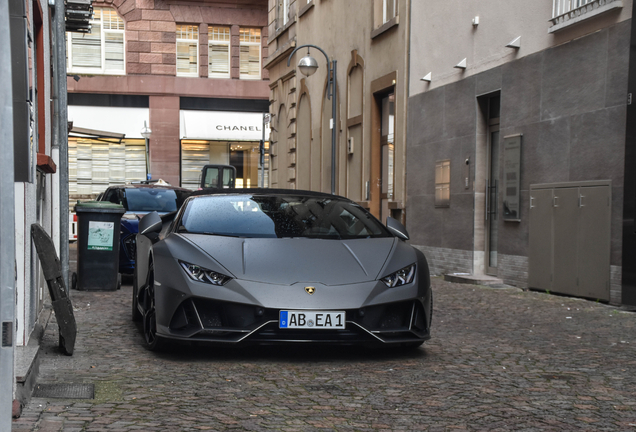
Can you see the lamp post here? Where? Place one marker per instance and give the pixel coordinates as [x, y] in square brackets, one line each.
[146, 132]
[308, 66]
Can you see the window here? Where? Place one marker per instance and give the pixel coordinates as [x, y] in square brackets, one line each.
[187, 50]
[389, 10]
[282, 14]
[250, 53]
[442, 183]
[102, 50]
[218, 52]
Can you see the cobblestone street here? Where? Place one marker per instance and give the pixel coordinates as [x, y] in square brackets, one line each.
[499, 359]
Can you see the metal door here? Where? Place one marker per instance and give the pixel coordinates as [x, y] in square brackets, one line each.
[594, 242]
[565, 234]
[540, 248]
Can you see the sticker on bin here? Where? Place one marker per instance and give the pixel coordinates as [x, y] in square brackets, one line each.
[318, 320]
[100, 235]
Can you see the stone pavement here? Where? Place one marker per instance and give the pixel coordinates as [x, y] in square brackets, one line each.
[499, 359]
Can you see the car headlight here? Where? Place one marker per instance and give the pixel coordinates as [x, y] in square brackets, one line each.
[401, 277]
[201, 274]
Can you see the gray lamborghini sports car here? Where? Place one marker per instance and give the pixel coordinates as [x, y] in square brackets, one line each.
[276, 266]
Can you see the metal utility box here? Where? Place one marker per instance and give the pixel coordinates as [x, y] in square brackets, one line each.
[98, 245]
[570, 235]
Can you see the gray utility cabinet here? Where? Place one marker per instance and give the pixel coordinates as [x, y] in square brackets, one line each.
[570, 234]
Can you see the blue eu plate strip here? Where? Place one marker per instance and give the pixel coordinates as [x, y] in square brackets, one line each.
[283, 319]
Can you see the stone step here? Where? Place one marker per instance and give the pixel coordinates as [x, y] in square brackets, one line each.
[474, 279]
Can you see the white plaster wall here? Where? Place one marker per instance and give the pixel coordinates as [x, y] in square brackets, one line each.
[442, 34]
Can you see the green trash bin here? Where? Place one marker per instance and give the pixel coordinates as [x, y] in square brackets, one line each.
[98, 245]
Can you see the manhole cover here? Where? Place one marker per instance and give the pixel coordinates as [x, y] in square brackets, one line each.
[65, 391]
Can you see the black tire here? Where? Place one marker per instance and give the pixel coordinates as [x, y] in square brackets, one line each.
[74, 281]
[136, 315]
[153, 342]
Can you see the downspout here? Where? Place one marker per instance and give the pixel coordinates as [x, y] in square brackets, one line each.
[60, 129]
[7, 226]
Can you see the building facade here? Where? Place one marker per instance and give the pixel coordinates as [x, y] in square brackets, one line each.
[519, 145]
[188, 75]
[367, 42]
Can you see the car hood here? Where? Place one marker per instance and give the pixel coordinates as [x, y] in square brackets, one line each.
[297, 260]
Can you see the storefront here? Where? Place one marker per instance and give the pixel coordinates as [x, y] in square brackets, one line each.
[228, 138]
[105, 148]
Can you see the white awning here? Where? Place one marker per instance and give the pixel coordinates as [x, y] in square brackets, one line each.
[222, 126]
[128, 121]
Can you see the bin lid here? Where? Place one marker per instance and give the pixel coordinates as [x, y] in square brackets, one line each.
[99, 207]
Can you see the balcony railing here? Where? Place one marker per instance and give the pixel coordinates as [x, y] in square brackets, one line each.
[566, 12]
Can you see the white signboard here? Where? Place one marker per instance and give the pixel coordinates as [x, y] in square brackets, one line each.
[222, 126]
[128, 121]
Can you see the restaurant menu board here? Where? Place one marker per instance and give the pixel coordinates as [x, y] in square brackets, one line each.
[512, 175]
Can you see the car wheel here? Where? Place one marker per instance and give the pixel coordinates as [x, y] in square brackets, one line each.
[153, 342]
[136, 315]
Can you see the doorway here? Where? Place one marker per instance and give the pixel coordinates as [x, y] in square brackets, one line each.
[382, 155]
[492, 187]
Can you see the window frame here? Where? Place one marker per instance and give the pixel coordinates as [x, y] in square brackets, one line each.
[102, 70]
[259, 44]
[227, 43]
[189, 42]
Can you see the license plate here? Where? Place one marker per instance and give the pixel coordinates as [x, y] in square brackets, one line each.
[319, 320]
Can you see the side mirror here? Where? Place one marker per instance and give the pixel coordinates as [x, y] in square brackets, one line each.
[397, 228]
[151, 223]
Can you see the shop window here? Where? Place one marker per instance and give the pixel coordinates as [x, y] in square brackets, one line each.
[218, 52]
[187, 50]
[250, 53]
[442, 183]
[102, 50]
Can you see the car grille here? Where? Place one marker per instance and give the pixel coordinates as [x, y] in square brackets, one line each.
[205, 319]
[130, 246]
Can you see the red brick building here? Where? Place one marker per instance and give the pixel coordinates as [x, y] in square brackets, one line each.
[191, 71]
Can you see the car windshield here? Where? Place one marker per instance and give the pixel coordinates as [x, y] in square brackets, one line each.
[276, 216]
[151, 199]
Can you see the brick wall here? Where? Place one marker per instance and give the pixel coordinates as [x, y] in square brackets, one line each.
[151, 32]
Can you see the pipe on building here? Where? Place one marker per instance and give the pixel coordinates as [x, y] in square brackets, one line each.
[60, 128]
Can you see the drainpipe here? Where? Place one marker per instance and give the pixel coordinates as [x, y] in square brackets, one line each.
[7, 226]
[60, 127]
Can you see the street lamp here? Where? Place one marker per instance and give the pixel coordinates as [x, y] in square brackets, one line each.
[146, 132]
[308, 66]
